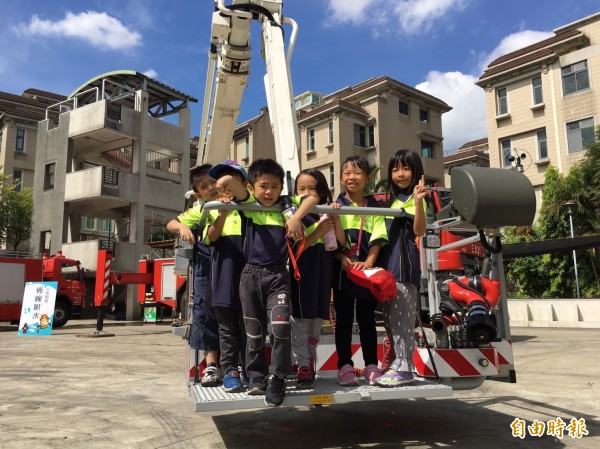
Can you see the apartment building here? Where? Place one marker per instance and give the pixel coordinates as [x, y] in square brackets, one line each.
[106, 152]
[372, 119]
[19, 116]
[543, 101]
[471, 154]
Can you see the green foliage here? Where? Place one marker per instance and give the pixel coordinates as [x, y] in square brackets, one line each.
[553, 275]
[15, 213]
[374, 186]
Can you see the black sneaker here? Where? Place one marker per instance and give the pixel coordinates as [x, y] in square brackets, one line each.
[257, 386]
[275, 391]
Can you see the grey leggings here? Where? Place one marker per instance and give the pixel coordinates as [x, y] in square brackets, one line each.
[399, 317]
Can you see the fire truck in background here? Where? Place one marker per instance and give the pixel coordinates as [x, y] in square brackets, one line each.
[160, 286]
[463, 335]
[17, 268]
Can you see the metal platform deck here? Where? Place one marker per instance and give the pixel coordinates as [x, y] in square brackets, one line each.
[326, 391]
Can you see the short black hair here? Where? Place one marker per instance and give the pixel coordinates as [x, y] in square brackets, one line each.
[405, 158]
[322, 187]
[262, 167]
[357, 161]
[198, 172]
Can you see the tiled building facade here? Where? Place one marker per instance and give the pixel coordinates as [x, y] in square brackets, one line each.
[372, 119]
[543, 101]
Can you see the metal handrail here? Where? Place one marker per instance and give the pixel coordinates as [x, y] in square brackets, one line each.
[320, 209]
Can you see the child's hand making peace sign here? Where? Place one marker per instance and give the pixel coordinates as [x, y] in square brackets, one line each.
[420, 191]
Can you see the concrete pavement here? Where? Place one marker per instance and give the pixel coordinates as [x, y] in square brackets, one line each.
[129, 391]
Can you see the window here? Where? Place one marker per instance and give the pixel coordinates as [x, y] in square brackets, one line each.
[330, 141]
[45, 241]
[360, 136]
[403, 108]
[427, 149]
[311, 140]
[502, 101]
[49, 176]
[580, 134]
[88, 223]
[104, 224]
[542, 145]
[18, 179]
[423, 116]
[331, 177]
[1, 135]
[371, 135]
[247, 148]
[538, 95]
[575, 77]
[20, 143]
[505, 144]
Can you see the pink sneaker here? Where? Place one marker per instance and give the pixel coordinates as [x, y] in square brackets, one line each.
[371, 373]
[347, 377]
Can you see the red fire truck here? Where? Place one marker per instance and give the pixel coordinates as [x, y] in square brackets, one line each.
[16, 269]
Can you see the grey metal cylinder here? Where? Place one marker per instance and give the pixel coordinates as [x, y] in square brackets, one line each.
[493, 197]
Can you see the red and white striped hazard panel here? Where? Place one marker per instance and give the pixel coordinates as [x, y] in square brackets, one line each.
[457, 362]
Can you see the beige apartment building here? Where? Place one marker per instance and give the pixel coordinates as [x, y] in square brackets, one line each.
[471, 154]
[372, 119]
[543, 101]
[19, 116]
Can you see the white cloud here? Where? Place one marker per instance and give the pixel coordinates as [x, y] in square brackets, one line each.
[353, 12]
[413, 16]
[96, 28]
[418, 16]
[511, 43]
[467, 120]
[150, 73]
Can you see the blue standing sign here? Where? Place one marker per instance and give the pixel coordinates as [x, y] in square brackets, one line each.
[37, 313]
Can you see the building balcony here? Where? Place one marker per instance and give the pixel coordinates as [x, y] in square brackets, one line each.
[99, 126]
[97, 191]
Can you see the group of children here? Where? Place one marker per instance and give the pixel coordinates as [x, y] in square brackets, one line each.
[244, 290]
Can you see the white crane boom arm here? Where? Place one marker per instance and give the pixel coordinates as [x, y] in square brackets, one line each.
[228, 70]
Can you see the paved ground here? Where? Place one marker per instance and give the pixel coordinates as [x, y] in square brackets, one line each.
[129, 391]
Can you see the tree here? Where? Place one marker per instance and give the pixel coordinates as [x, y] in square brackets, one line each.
[552, 275]
[19, 208]
[15, 213]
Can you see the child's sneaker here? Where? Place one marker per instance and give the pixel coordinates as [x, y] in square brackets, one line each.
[371, 373]
[243, 376]
[394, 378]
[275, 391]
[257, 386]
[347, 377]
[210, 376]
[232, 382]
[304, 378]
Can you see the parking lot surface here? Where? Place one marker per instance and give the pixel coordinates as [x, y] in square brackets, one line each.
[129, 391]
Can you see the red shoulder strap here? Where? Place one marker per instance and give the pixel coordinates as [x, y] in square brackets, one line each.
[294, 257]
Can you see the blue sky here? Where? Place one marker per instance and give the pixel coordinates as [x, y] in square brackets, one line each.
[439, 46]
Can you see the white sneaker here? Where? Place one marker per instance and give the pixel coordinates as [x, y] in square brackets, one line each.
[210, 376]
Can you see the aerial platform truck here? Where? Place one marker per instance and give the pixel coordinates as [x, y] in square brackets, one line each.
[464, 334]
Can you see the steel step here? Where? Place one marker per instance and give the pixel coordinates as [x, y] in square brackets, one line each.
[326, 391]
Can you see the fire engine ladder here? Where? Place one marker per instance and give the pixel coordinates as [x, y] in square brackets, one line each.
[326, 390]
